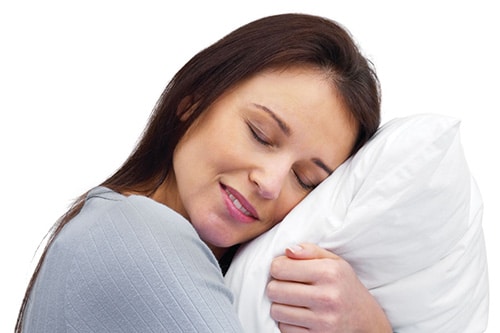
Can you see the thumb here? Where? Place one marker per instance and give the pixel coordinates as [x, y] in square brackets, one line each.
[308, 251]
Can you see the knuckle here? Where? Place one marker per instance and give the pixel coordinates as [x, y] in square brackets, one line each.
[333, 270]
[327, 300]
[329, 271]
[275, 312]
[276, 266]
[271, 290]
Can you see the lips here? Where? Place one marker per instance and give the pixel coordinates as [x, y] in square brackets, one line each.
[238, 206]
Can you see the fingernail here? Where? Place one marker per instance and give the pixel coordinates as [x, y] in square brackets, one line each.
[295, 248]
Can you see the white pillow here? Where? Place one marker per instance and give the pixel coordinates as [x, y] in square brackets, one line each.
[405, 212]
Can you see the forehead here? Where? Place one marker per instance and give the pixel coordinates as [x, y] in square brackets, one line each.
[309, 103]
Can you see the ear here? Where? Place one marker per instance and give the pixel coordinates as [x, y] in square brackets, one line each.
[185, 108]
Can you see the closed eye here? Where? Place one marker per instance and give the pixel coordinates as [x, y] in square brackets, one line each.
[258, 135]
[304, 184]
[262, 139]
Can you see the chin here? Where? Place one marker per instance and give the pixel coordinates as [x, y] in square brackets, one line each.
[218, 241]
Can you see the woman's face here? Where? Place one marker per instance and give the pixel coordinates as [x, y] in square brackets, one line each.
[256, 152]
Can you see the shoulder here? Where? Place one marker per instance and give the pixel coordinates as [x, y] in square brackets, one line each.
[122, 218]
[136, 258]
[111, 222]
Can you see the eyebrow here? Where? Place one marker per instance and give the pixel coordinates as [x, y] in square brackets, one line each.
[282, 125]
[322, 165]
[286, 129]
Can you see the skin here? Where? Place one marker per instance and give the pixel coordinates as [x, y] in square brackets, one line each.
[267, 142]
[260, 143]
[314, 290]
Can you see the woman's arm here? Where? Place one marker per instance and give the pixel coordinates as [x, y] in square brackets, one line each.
[315, 290]
[144, 269]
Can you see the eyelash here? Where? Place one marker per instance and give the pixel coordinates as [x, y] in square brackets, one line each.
[259, 138]
[305, 186]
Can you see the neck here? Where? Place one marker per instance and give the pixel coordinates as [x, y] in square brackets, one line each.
[217, 251]
[168, 195]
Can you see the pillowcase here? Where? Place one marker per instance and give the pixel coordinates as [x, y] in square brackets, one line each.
[405, 212]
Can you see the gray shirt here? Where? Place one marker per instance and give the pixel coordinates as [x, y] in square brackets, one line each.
[129, 264]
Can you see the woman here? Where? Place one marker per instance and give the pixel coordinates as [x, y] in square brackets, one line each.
[240, 135]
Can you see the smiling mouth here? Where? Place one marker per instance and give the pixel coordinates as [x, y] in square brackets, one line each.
[238, 204]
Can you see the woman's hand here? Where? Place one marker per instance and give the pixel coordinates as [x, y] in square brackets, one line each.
[314, 290]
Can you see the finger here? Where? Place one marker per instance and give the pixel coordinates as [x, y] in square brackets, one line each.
[304, 271]
[291, 315]
[286, 269]
[286, 328]
[291, 293]
[308, 251]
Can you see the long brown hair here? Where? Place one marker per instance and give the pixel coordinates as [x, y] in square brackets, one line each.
[276, 41]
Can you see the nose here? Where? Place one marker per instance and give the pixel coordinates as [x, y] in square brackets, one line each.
[270, 177]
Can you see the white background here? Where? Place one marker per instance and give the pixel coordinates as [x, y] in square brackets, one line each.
[79, 79]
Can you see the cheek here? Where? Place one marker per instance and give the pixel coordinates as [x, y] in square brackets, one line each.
[290, 198]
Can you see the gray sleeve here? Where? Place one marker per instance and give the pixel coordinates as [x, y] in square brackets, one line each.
[144, 269]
